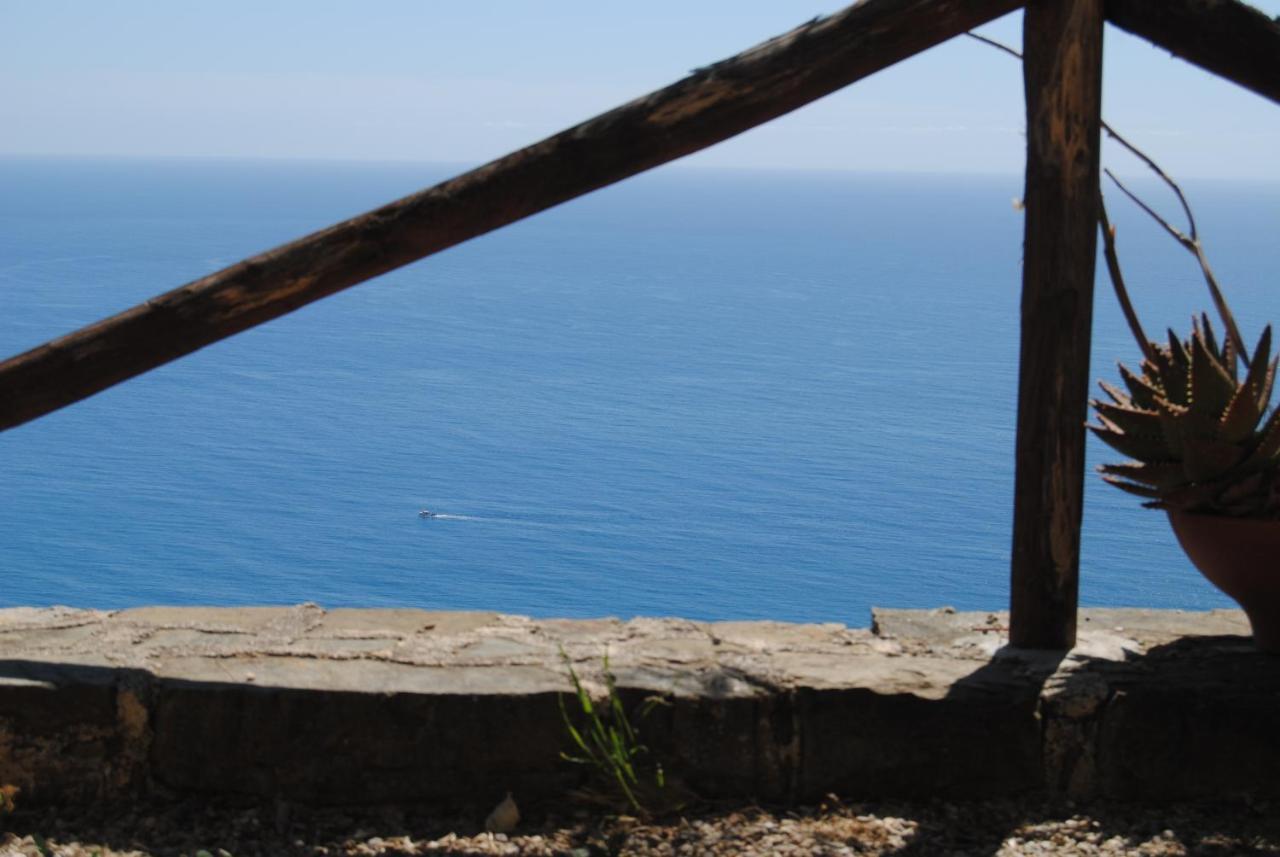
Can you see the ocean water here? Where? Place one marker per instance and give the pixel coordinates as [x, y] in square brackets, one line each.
[701, 393]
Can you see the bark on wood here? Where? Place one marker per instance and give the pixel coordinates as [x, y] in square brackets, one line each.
[712, 104]
[1226, 37]
[1062, 69]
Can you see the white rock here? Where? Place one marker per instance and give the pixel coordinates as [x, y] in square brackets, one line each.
[505, 816]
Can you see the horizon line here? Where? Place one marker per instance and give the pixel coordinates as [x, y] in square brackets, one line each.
[460, 167]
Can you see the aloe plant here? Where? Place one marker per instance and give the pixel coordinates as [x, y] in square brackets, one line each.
[1203, 438]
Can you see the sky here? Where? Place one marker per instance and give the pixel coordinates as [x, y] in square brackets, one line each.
[459, 81]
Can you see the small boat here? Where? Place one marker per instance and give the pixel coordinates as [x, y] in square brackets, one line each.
[427, 513]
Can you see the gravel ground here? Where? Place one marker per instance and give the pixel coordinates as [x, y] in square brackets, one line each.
[1002, 828]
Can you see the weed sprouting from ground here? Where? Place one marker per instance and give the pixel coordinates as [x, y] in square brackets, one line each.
[606, 741]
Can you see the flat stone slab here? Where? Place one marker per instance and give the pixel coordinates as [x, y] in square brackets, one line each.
[300, 703]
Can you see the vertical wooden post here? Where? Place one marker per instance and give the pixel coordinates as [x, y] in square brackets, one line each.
[1062, 69]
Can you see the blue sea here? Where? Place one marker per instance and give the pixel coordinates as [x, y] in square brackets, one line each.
[714, 394]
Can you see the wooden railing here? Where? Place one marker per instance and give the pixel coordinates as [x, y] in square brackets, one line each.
[1062, 70]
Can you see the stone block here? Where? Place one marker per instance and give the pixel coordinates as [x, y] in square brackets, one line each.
[333, 747]
[66, 732]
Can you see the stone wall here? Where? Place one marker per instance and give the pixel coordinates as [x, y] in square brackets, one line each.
[357, 706]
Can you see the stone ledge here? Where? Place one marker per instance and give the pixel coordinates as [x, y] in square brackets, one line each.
[300, 703]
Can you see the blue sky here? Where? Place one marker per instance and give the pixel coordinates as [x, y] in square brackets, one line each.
[463, 82]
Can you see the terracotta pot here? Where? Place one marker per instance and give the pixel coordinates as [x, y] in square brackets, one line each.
[1241, 557]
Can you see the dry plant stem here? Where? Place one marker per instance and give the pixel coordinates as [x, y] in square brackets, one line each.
[1193, 246]
[1155, 168]
[1117, 282]
[1190, 242]
[998, 45]
[1181, 237]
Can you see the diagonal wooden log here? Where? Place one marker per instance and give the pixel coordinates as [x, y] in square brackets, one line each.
[1226, 37]
[710, 105]
[1062, 70]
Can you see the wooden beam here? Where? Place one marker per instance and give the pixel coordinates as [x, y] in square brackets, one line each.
[710, 105]
[1062, 71]
[1226, 37]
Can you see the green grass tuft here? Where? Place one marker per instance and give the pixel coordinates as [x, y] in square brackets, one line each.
[605, 740]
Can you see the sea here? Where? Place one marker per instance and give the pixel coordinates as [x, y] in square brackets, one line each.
[715, 394]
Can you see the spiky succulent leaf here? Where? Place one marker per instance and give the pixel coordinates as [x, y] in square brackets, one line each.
[1132, 488]
[1182, 425]
[1192, 496]
[1206, 333]
[1173, 382]
[1240, 420]
[1207, 458]
[1264, 395]
[1178, 351]
[1164, 475]
[1261, 369]
[1242, 493]
[1142, 390]
[1267, 452]
[1174, 366]
[1241, 416]
[1262, 352]
[1141, 447]
[1210, 386]
[1229, 355]
[1130, 420]
[1116, 395]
